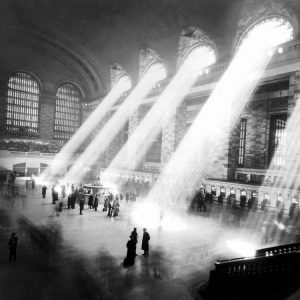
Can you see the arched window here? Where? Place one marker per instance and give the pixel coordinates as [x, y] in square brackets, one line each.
[67, 111]
[22, 111]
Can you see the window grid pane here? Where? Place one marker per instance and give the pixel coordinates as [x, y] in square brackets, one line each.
[67, 111]
[242, 142]
[277, 139]
[22, 104]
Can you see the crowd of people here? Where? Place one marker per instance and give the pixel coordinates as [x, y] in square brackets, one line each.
[82, 196]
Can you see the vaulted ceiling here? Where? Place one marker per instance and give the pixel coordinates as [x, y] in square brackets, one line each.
[81, 38]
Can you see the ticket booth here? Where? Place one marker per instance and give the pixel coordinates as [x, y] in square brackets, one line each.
[243, 198]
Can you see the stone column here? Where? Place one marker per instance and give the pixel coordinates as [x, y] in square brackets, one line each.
[47, 112]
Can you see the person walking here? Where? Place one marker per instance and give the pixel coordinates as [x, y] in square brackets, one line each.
[12, 246]
[145, 242]
[44, 190]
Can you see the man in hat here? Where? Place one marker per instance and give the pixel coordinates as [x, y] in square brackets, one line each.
[145, 242]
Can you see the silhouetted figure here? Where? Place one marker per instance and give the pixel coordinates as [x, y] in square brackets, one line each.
[127, 197]
[105, 204]
[44, 190]
[96, 202]
[54, 195]
[12, 246]
[293, 208]
[145, 242]
[243, 199]
[110, 207]
[134, 236]
[220, 199]
[81, 203]
[116, 208]
[69, 201]
[130, 257]
[280, 206]
[33, 184]
[90, 201]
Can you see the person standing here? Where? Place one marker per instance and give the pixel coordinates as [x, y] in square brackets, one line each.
[81, 203]
[90, 201]
[134, 236]
[12, 246]
[145, 242]
[130, 257]
[96, 202]
[44, 190]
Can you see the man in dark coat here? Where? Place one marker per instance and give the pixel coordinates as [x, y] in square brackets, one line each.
[12, 246]
[130, 257]
[96, 202]
[54, 195]
[81, 203]
[73, 200]
[44, 189]
[134, 236]
[90, 201]
[145, 242]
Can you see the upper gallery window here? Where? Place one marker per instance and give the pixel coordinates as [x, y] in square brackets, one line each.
[277, 139]
[67, 111]
[242, 142]
[22, 104]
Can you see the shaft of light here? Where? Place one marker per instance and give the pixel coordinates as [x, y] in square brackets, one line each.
[197, 151]
[163, 109]
[155, 74]
[60, 160]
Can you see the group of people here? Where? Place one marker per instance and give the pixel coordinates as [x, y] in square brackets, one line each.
[112, 205]
[131, 247]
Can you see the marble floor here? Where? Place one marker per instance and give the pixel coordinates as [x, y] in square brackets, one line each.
[83, 257]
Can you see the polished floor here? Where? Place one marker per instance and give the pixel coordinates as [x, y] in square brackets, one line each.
[81, 256]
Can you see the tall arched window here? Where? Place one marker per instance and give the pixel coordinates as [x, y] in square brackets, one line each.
[22, 111]
[67, 111]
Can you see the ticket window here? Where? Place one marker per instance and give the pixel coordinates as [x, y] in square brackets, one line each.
[294, 206]
[223, 192]
[279, 202]
[214, 191]
[295, 200]
[252, 202]
[232, 192]
[265, 201]
[243, 198]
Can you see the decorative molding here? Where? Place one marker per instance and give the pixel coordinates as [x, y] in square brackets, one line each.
[147, 57]
[116, 72]
[255, 11]
[191, 38]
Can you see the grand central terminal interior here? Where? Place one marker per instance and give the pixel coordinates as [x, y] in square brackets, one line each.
[149, 149]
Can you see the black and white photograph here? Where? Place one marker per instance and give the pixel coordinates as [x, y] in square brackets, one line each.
[149, 149]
